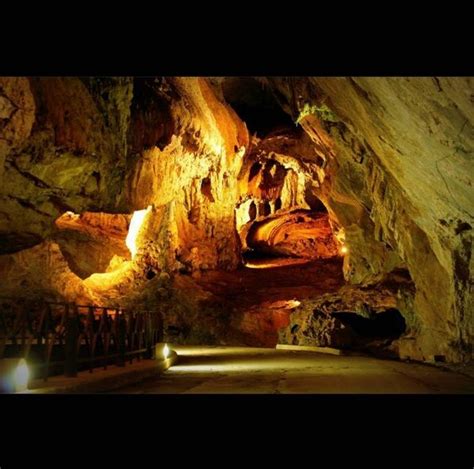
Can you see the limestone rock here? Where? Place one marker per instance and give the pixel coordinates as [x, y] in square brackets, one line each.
[320, 330]
[90, 241]
[351, 318]
[295, 234]
[61, 150]
[400, 184]
[42, 272]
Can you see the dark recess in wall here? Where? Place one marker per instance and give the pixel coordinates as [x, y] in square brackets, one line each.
[255, 105]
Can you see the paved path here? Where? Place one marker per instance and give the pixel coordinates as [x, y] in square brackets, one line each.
[255, 370]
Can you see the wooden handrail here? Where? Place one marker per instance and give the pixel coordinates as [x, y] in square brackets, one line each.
[61, 333]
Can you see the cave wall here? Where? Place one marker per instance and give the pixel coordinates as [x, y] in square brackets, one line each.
[109, 147]
[42, 272]
[91, 240]
[399, 180]
[298, 234]
[192, 182]
[63, 147]
[279, 211]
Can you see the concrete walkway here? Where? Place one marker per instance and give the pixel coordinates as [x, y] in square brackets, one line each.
[102, 380]
[255, 370]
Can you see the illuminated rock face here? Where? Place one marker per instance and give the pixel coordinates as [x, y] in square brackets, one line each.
[399, 180]
[354, 317]
[192, 183]
[120, 145]
[42, 272]
[90, 241]
[84, 146]
[295, 234]
[279, 212]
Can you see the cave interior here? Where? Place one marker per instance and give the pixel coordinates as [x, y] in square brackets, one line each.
[330, 212]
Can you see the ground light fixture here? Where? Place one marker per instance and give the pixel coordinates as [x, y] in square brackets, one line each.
[166, 351]
[14, 375]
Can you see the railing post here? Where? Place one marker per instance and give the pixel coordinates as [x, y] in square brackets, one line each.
[105, 335]
[149, 335]
[160, 325]
[121, 339]
[72, 334]
[90, 332]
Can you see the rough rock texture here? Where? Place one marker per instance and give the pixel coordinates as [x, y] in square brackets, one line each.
[278, 211]
[399, 181]
[192, 182]
[107, 144]
[42, 272]
[89, 241]
[316, 328]
[257, 302]
[297, 234]
[63, 147]
[117, 145]
[350, 318]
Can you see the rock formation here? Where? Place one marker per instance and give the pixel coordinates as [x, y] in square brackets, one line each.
[400, 173]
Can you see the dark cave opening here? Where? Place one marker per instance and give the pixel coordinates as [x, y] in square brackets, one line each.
[277, 204]
[389, 324]
[254, 170]
[256, 105]
[259, 254]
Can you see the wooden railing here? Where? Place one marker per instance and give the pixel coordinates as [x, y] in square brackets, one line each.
[58, 338]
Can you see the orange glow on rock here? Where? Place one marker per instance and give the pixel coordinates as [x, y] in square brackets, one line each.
[135, 225]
